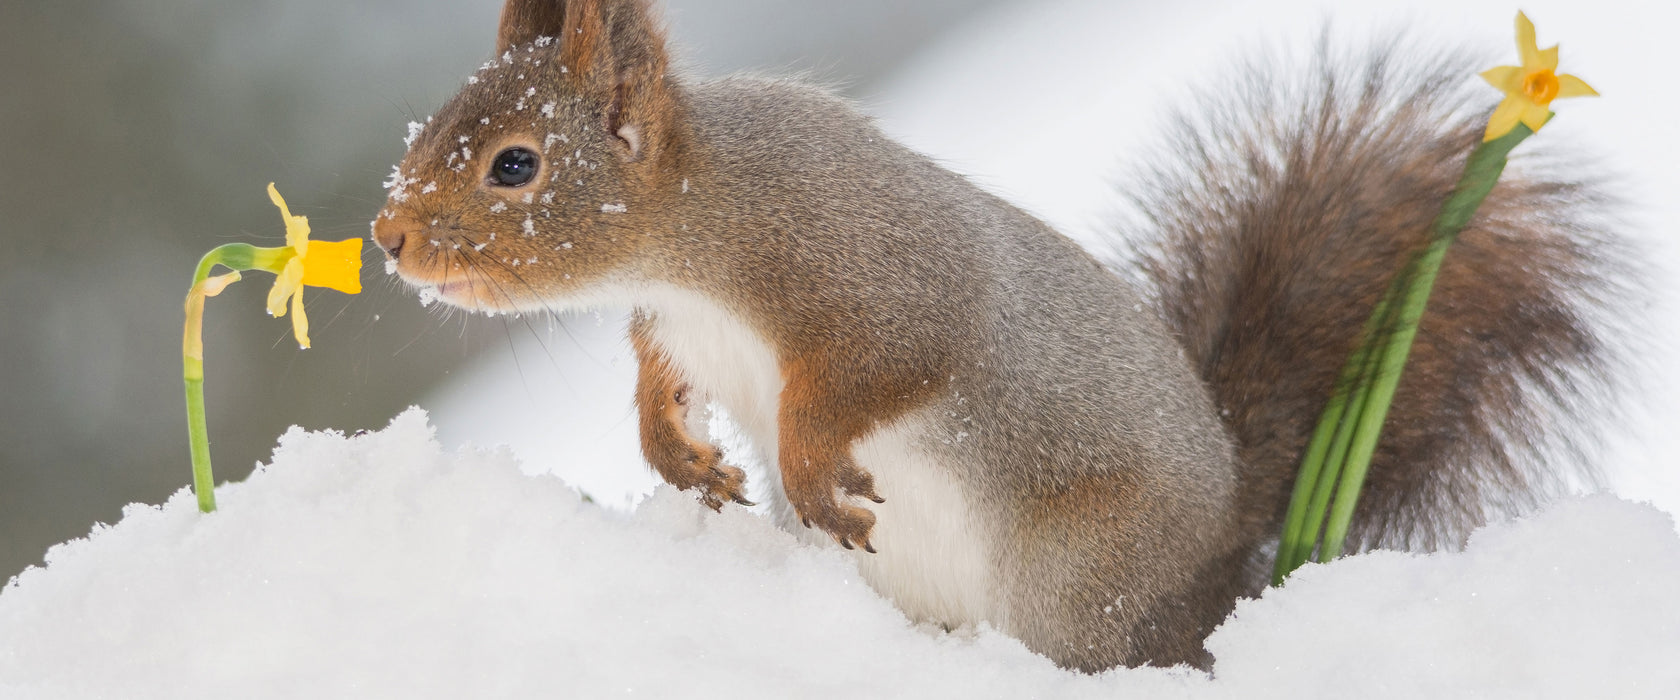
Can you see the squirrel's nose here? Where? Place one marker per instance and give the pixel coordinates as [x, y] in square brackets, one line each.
[390, 233]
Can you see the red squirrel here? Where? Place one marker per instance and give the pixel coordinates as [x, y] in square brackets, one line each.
[1002, 428]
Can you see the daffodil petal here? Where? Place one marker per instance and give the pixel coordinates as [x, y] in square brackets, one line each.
[1548, 58]
[1534, 116]
[286, 284]
[1505, 118]
[335, 265]
[274, 196]
[300, 322]
[1506, 78]
[1526, 48]
[1571, 86]
[297, 227]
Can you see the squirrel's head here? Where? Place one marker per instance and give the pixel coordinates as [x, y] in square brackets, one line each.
[528, 185]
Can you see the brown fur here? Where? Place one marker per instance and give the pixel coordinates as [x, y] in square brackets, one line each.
[1319, 203]
[1100, 509]
[662, 402]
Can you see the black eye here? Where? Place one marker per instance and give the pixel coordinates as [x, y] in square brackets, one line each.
[513, 167]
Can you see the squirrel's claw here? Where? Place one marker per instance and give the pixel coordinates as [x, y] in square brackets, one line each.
[818, 493]
[857, 482]
[700, 469]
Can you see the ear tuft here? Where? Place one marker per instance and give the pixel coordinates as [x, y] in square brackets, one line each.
[615, 48]
[525, 21]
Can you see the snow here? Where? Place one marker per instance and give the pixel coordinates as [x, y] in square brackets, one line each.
[385, 565]
[382, 565]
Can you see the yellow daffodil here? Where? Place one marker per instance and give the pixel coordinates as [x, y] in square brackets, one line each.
[300, 263]
[1530, 88]
[332, 264]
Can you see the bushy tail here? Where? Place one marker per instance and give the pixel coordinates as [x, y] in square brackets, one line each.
[1289, 206]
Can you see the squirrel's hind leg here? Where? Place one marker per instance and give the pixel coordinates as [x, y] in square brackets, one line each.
[662, 401]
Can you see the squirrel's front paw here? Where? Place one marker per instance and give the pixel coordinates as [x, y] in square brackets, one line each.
[816, 502]
[704, 470]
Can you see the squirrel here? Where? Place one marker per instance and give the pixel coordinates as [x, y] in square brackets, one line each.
[1091, 457]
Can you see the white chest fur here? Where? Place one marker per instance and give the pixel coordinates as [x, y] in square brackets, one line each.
[934, 552]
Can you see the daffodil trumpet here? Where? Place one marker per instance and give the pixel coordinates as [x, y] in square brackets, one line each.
[299, 263]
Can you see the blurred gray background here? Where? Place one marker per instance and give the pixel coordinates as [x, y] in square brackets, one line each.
[136, 135]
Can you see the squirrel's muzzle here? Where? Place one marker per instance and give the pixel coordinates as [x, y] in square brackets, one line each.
[392, 233]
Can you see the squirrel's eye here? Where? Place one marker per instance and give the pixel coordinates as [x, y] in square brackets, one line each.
[513, 167]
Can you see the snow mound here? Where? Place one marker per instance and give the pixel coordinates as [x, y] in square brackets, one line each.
[381, 565]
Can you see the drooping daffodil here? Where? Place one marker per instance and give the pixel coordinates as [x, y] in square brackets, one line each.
[332, 264]
[298, 264]
[1529, 88]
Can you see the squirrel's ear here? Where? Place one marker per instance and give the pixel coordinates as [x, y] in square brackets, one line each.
[616, 48]
[525, 20]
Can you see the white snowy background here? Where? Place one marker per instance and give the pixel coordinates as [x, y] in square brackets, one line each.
[395, 565]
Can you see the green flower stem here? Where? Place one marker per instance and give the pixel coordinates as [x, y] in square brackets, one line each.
[198, 435]
[1296, 545]
[1353, 418]
[238, 257]
[1481, 173]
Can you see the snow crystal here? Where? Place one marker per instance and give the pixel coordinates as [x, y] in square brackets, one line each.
[548, 198]
[612, 208]
[427, 295]
[544, 41]
[498, 207]
[429, 188]
[685, 186]
[398, 185]
[413, 133]
[528, 197]
[390, 266]
[548, 109]
[472, 80]
[548, 141]
[529, 227]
